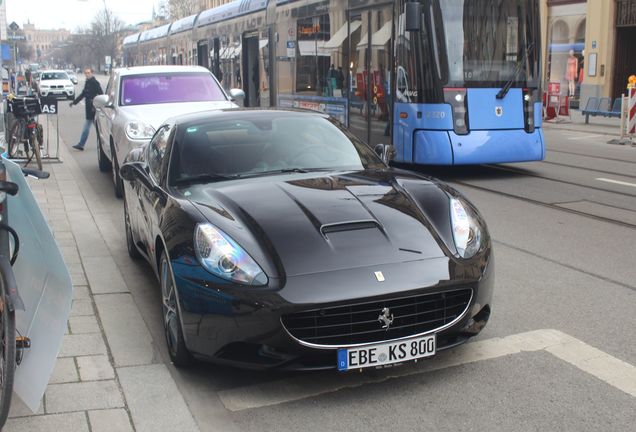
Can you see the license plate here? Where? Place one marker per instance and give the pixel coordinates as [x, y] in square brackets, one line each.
[383, 354]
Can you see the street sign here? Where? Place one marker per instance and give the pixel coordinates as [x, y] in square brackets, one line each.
[14, 26]
[16, 37]
[49, 106]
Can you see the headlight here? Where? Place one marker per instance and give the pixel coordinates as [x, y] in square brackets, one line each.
[44, 86]
[223, 257]
[137, 130]
[466, 229]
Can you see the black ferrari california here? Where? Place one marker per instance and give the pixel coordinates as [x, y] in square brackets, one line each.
[282, 241]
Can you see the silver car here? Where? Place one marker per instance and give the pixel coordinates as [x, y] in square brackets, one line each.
[139, 98]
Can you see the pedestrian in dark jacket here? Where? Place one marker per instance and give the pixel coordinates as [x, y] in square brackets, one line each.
[91, 89]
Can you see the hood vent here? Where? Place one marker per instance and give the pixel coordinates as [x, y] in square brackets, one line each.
[349, 226]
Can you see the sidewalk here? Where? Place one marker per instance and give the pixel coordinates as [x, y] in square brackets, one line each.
[576, 122]
[109, 376]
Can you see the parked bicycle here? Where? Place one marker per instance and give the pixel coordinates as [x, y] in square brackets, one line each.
[11, 347]
[26, 135]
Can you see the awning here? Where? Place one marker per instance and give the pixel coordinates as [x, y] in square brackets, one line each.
[336, 40]
[379, 38]
[230, 52]
[312, 48]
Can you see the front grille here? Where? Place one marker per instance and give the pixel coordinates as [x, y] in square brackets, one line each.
[359, 323]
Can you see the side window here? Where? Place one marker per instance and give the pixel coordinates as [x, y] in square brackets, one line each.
[157, 151]
[110, 88]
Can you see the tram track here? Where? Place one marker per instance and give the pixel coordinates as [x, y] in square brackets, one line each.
[527, 173]
[549, 205]
[460, 178]
[609, 159]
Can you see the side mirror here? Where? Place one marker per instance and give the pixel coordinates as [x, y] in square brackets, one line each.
[131, 171]
[413, 14]
[101, 101]
[237, 94]
[385, 151]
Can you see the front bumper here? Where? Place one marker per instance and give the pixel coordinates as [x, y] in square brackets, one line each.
[244, 326]
[69, 94]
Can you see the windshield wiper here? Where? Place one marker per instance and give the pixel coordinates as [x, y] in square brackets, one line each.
[518, 67]
[202, 178]
[278, 171]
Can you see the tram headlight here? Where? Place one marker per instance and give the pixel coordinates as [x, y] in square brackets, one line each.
[467, 233]
[457, 99]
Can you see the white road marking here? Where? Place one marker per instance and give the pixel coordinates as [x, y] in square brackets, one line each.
[584, 137]
[618, 182]
[609, 369]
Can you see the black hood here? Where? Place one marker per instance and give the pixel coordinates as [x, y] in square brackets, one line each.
[312, 223]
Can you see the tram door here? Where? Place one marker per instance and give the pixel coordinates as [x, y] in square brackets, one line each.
[203, 54]
[216, 59]
[251, 71]
[369, 74]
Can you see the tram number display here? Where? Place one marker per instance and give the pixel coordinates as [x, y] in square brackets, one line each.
[384, 354]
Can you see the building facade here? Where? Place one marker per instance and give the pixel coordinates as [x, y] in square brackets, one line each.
[589, 45]
[43, 41]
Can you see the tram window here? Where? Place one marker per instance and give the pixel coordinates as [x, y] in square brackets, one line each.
[312, 64]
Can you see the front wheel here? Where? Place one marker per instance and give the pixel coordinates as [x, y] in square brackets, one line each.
[133, 252]
[102, 160]
[118, 184]
[177, 350]
[7, 354]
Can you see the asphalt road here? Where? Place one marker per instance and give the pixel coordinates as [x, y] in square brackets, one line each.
[564, 232]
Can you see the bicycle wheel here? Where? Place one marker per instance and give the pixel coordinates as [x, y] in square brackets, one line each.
[35, 147]
[15, 137]
[40, 134]
[7, 353]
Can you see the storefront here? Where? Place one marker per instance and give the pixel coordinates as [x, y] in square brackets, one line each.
[565, 54]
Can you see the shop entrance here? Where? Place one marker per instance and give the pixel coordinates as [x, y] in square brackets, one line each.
[625, 58]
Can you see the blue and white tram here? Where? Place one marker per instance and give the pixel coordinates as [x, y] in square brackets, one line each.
[447, 82]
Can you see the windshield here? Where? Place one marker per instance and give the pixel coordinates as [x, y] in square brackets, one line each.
[255, 144]
[490, 42]
[53, 76]
[169, 88]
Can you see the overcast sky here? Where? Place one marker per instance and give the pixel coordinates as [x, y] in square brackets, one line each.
[71, 14]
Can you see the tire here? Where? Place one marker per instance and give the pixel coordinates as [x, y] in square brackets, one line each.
[7, 355]
[40, 135]
[133, 252]
[118, 185]
[35, 147]
[102, 160]
[15, 137]
[179, 354]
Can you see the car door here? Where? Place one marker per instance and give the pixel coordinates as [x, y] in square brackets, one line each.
[104, 116]
[152, 196]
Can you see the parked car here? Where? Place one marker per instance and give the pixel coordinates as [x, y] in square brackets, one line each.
[71, 76]
[281, 240]
[138, 99]
[55, 83]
